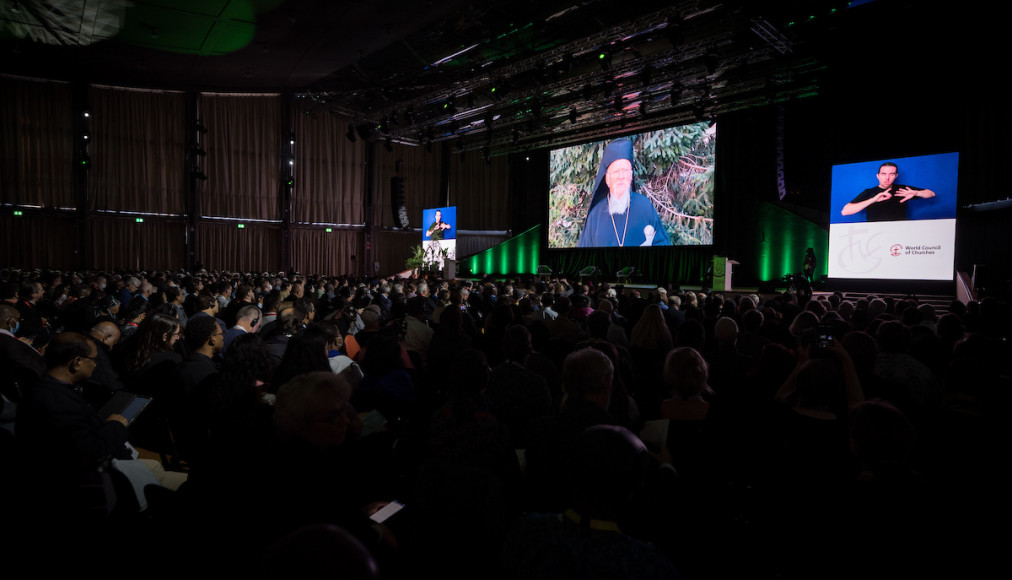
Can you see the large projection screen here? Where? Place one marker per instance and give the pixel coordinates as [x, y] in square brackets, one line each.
[894, 219]
[668, 175]
[439, 236]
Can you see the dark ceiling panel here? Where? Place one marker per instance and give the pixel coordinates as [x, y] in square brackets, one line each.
[425, 70]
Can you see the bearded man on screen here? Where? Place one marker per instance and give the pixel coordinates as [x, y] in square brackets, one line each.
[619, 216]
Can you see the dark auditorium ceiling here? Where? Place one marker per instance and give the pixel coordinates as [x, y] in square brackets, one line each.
[493, 75]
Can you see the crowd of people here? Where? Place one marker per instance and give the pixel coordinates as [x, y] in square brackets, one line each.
[529, 428]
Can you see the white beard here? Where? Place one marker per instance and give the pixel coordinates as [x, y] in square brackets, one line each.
[618, 206]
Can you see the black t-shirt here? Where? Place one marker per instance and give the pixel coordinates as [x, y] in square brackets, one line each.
[889, 210]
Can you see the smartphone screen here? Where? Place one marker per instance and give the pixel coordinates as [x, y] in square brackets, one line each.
[386, 511]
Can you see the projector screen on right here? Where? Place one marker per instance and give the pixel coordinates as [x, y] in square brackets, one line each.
[894, 219]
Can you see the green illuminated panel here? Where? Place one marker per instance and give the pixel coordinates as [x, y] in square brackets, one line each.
[518, 255]
[787, 235]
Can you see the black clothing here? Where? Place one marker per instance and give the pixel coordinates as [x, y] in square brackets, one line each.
[22, 366]
[550, 445]
[104, 379]
[62, 436]
[890, 210]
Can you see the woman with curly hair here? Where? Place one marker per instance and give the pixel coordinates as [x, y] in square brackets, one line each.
[153, 344]
[237, 410]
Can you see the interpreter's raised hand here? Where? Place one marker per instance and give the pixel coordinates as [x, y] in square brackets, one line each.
[906, 193]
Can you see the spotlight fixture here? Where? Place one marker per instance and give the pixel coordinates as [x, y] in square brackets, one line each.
[363, 131]
[646, 75]
[604, 59]
[676, 93]
[674, 32]
[540, 75]
[572, 116]
[609, 86]
[711, 61]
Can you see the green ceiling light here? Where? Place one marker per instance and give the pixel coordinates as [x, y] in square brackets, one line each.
[241, 226]
[139, 220]
[329, 230]
[604, 59]
[18, 213]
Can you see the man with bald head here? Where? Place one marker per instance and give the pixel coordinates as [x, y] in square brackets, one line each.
[103, 380]
[587, 381]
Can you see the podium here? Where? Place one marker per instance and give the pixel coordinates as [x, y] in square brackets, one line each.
[722, 267]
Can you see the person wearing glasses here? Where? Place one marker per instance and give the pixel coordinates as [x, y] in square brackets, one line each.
[62, 435]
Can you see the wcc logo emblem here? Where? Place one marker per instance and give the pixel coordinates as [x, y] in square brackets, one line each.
[895, 250]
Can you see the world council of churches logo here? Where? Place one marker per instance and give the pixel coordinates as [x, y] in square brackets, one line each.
[895, 250]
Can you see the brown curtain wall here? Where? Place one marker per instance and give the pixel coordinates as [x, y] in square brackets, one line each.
[140, 149]
[37, 142]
